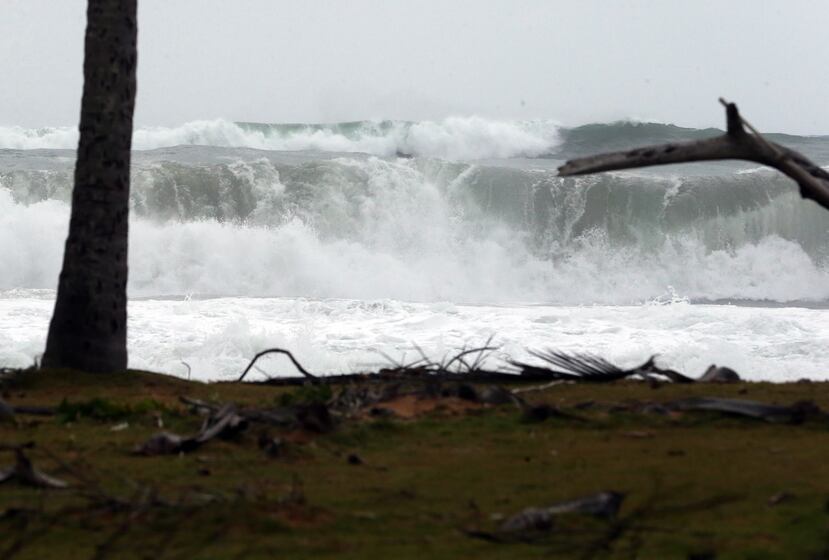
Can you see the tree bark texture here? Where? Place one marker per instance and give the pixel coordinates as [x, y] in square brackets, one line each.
[89, 326]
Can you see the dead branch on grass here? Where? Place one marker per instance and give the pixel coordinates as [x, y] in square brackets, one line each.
[302, 370]
[796, 413]
[312, 416]
[224, 422]
[25, 473]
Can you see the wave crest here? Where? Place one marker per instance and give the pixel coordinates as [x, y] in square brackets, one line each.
[371, 228]
[455, 138]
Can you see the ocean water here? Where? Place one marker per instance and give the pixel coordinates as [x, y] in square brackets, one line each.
[355, 243]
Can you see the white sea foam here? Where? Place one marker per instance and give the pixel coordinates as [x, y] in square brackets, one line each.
[218, 336]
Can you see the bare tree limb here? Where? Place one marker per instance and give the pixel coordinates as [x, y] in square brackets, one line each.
[301, 369]
[736, 143]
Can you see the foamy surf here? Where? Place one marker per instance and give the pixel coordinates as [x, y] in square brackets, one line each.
[217, 337]
[273, 235]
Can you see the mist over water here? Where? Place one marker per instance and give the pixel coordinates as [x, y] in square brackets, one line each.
[460, 211]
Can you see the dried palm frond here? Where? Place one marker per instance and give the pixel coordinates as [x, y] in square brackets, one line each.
[589, 368]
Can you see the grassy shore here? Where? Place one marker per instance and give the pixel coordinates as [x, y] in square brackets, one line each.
[697, 485]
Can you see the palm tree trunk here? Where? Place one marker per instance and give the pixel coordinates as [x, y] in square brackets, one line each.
[89, 326]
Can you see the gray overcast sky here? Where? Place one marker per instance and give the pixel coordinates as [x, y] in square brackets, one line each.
[574, 61]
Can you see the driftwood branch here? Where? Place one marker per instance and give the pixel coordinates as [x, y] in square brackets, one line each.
[24, 472]
[301, 369]
[736, 143]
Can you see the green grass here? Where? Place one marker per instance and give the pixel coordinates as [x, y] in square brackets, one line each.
[696, 484]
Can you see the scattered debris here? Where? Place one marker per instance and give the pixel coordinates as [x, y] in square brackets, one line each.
[224, 423]
[588, 368]
[24, 472]
[779, 498]
[594, 369]
[720, 374]
[530, 519]
[604, 505]
[315, 417]
[273, 447]
[457, 368]
[163, 443]
[575, 367]
[794, 414]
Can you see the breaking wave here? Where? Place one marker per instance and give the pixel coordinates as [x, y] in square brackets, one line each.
[453, 138]
[425, 229]
[463, 138]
